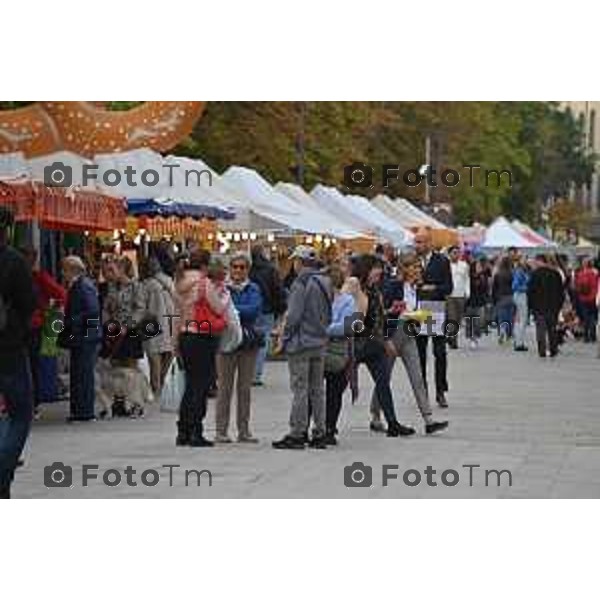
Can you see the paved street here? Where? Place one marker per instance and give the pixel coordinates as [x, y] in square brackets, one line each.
[539, 419]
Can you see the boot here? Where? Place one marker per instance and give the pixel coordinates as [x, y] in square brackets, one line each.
[198, 440]
[4, 492]
[183, 435]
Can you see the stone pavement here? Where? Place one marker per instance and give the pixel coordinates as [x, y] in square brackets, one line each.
[540, 419]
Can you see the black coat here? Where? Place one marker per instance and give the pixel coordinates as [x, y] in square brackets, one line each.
[502, 285]
[17, 300]
[437, 272]
[545, 292]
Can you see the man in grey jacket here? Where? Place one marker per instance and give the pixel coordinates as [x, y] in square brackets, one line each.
[304, 340]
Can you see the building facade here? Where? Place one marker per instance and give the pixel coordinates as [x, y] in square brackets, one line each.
[589, 114]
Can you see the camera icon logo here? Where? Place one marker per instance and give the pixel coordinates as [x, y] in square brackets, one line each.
[58, 475]
[358, 475]
[355, 326]
[358, 175]
[58, 174]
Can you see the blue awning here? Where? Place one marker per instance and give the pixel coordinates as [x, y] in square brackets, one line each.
[154, 208]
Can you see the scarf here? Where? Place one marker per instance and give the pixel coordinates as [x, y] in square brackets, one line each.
[237, 287]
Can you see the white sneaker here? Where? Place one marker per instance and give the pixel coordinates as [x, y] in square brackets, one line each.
[473, 345]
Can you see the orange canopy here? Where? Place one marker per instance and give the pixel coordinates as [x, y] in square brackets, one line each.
[63, 208]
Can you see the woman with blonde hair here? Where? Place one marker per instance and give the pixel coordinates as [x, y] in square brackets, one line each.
[346, 295]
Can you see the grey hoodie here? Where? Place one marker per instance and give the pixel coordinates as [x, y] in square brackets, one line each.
[309, 312]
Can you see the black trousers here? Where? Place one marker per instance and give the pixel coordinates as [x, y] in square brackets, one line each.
[545, 330]
[335, 386]
[440, 360]
[198, 357]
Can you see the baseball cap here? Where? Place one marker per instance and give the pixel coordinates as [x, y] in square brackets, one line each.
[305, 253]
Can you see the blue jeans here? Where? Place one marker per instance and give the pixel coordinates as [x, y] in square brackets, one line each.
[17, 389]
[264, 324]
[504, 315]
[589, 314]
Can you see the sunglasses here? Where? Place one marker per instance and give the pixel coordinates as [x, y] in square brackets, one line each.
[240, 267]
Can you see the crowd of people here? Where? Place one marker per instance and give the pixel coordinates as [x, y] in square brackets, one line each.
[216, 319]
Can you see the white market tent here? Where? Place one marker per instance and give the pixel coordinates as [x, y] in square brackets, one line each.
[276, 205]
[249, 215]
[405, 213]
[532, 235]
[361, 214]
[395, 232]
[334, 203]
[332, 224]
[501, 234]
[16, 166]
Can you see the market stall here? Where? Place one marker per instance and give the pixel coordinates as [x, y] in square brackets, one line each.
[412, 218]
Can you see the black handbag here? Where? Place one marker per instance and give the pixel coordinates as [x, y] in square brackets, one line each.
[251, 338]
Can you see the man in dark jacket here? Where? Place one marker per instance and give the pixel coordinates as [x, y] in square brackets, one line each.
[17, 303]
[81, 335]
[545, 296]
[436, 286]
[266, 276]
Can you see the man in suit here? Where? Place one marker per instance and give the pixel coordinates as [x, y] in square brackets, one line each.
[436, 285]
[545, 296]
[81, 335]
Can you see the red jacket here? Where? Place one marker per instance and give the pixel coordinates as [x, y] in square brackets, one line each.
[586, 285]
[46, 288]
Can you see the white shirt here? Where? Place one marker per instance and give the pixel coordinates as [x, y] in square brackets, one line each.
[410, 296]
[461, 279]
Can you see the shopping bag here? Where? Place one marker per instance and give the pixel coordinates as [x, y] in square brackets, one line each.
[173, 389]
[233, 335]
[49, 339]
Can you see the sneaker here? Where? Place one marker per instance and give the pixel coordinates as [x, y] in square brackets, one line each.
[222, 439]
[377, 426]
[257, 383]
[289, 443]
[521, 349]
[435, 426]
[247, 439]
[397, 429]
[136, 412]
[473, 345]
